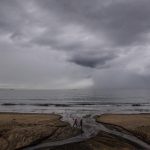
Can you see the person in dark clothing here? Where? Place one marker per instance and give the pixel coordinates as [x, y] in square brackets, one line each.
[75, 124]
[81, 125]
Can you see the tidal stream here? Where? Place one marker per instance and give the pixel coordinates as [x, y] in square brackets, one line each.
[91, 129]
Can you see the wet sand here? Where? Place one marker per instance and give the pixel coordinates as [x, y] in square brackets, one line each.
[107, 141]
[137, 124]
[103, 141]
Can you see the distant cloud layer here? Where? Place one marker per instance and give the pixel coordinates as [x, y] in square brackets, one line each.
[74, 43]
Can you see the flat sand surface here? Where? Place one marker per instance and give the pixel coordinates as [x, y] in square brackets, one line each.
[138, 124]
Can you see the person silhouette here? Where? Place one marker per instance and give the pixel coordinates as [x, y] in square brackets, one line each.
[81, 125]
[75, 124]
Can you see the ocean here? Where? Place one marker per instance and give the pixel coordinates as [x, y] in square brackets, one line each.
[76, 102]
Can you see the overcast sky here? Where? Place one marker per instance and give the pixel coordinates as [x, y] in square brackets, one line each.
[60, 44]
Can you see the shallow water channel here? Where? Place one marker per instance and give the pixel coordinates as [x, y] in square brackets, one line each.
[91, 129]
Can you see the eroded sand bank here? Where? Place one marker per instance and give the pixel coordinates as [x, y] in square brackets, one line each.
[137, 124]
[19, 130]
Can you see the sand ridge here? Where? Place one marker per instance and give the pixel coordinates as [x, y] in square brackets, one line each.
[20, 130]
[138, 124]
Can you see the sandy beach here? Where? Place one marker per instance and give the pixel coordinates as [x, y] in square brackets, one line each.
[18, 131]
[137, 124]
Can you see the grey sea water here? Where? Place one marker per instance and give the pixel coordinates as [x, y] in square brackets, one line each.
[76, 102]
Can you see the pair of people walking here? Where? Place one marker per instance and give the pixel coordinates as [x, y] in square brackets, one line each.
[78, 123]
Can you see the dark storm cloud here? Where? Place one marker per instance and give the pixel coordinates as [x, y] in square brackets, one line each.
[123, 22]
[44, 43]
[91, 60]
